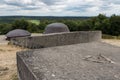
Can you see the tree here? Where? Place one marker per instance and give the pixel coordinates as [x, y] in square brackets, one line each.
[115, 25]
[4, 28]
[20, 24]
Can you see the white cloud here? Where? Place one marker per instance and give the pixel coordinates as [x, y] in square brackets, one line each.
[93, 9]
[59, 7]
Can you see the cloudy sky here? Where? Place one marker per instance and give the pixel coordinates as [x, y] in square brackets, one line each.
[59, 7]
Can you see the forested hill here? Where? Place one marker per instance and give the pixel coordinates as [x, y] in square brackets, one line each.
[8, 19]
[108, 25]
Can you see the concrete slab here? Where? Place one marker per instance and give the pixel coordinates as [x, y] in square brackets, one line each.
[84, 61]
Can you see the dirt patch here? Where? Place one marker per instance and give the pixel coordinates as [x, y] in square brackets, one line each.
[3, 70]
[115, 42]
[8, 61]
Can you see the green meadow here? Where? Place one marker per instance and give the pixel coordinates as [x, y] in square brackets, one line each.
[37, 22]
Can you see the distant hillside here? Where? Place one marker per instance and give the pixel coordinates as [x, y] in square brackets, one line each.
[9, 19]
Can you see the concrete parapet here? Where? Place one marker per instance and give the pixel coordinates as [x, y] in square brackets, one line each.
[57, 39]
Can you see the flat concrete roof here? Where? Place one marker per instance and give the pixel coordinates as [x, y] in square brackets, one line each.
[84, 61]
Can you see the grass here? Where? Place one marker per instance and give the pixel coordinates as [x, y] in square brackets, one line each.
[14, 77]
[105, 36]
[37, 22]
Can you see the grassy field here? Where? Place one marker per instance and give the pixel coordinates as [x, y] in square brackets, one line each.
[105, 36]
[8, 70]
[37, 22]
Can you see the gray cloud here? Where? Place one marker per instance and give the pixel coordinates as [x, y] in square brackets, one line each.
[49, 2]
[113, 1]
[105, 7]
[30, 8]
[81, 8]
[18, 3]
[22, 5]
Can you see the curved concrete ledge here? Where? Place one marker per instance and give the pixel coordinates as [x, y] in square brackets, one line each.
[57, 39]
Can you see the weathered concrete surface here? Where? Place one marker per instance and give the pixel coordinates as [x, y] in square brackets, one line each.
[71, 62]
[57, 39]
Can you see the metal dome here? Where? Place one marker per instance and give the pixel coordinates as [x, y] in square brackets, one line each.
[17, 33]
[56, 28]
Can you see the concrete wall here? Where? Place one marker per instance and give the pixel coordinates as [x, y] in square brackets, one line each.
[57, 39]
[24, 73]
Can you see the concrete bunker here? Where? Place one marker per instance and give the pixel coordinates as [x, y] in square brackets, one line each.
[67, 56]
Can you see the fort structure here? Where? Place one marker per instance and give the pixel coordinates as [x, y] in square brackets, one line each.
[67, 56]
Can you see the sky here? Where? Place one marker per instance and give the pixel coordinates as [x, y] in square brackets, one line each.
[59, 7]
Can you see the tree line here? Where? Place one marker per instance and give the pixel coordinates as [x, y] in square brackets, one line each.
[108, 25]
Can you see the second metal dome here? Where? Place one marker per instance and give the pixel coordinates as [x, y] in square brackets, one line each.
[56, 28]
